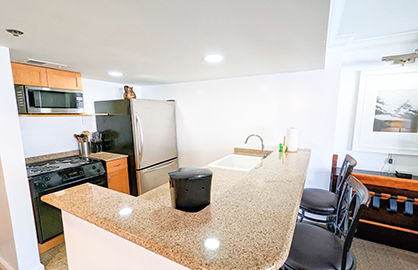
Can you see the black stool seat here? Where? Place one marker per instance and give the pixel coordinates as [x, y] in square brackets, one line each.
[319, 201]
[325, 203]
[315, 248]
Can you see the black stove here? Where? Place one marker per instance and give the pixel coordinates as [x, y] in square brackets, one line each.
[62, 172]
[56, 164]
[54, 175]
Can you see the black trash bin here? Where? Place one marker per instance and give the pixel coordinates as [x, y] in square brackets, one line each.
[190, 188]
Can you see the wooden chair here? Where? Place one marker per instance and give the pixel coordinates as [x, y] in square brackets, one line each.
[314, 247]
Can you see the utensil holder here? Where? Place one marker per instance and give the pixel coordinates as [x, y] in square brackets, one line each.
[84, 148]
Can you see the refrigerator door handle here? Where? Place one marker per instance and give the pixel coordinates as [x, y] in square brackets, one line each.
[158, 167]
[141, 137]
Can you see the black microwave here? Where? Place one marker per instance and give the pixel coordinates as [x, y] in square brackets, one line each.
[43, 100]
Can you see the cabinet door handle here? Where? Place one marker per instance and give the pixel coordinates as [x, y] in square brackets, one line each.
[108, 177]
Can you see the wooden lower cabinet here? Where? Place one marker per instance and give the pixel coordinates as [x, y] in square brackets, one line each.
[392, 228]
[384, 224]
[117, 175]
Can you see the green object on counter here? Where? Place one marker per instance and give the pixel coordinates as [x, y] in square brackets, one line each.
[280, 147]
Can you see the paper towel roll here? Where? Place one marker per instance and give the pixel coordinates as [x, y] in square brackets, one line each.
[292, 140]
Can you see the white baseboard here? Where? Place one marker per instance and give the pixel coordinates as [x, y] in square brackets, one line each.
[4, 265]
[39, 267]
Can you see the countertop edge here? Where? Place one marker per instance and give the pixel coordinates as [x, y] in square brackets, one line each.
[152, 244]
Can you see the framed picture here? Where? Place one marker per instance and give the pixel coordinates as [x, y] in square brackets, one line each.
[387, 112]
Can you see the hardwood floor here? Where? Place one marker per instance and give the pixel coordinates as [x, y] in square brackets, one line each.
[373, 256]
[55, 258]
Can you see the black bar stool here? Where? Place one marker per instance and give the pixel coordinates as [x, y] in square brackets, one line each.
[323, 202]
[315, 247]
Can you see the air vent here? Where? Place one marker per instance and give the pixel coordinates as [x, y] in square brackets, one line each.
[34, 62]
[31, 61]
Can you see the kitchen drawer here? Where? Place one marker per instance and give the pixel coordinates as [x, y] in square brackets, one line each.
[116, 165]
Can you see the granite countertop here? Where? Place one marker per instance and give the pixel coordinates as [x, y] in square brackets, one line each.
[106, 156]
[52, 156]
[252, 215]
[251, 152]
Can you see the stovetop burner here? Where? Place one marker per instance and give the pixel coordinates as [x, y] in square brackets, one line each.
[74, 160]
[56, 165]
[34, 170]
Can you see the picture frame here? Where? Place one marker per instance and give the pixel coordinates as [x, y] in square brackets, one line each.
[387, 112]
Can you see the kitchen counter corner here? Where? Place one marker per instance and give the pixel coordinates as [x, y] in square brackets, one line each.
[251, 216]
[106, 156]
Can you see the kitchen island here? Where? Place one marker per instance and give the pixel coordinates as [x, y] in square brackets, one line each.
[248, 225]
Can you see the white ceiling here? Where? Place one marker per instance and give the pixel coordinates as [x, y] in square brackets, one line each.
[160, 41]
[377, 18]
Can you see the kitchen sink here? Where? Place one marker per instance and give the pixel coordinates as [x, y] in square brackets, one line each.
[236, 162]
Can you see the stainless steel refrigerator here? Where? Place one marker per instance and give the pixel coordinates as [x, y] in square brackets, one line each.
[145, 130]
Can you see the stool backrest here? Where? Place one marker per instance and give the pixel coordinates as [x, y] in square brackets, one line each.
[357, 199]
[346, 169]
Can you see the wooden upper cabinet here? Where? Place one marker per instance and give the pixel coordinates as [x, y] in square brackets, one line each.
[40, 76]
[29, 75]
[63, 79]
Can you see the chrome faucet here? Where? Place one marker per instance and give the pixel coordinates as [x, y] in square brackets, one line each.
[262, 144]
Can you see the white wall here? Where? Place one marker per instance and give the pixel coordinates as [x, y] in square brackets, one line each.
[18, 247]
[7, 244]
[35, 136]
[365, 56]
[47, 135]
[215, 116]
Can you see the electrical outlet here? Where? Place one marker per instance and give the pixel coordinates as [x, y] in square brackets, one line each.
[388, 167]
[390, 159]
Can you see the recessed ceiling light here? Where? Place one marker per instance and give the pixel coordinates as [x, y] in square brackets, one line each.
[213, 58]
[14, 32]
[115, 73]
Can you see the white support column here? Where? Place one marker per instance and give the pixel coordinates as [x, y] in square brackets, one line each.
[18, 244]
